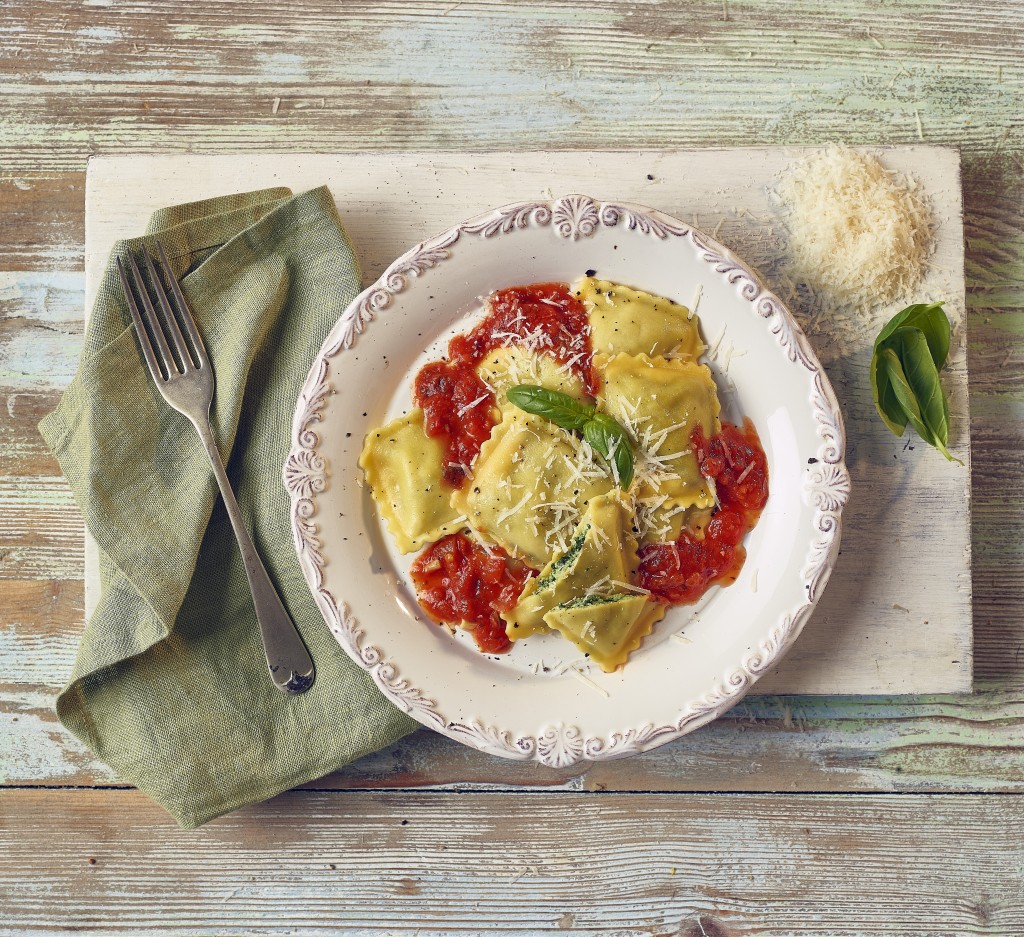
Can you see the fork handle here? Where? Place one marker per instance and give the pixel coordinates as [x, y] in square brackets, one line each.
[291, 667]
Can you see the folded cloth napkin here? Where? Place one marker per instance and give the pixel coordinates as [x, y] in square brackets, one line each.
[171, 686]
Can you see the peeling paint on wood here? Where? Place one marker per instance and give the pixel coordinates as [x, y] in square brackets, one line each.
[116, 78]
[411, 76]
[635, 865]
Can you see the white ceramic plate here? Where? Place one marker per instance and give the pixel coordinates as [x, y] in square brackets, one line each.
[542, 701]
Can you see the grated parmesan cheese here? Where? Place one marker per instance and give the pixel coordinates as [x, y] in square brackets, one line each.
[599, 587]
[508, 512]
[712, 350]
[583, 678]
[629, 587]
[858, 232]
[469, 406]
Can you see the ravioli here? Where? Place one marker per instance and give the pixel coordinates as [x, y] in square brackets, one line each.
[661, 402]
[527, 487]
[403, 468]
[608, 628]
[505, 368]
[659, 519]
[633, 322]
[544, 496]
[602, 550]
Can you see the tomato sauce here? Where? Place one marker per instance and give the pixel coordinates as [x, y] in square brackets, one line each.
[544, 317]
[680, 573]
[457, 408]
[457, 581]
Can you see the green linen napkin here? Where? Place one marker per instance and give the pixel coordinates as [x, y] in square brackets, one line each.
[171, 686]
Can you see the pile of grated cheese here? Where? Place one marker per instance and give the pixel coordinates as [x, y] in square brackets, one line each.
[859, 233]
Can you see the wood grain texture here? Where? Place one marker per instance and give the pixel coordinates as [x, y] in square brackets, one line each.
[764, 744]
[116, 77]
[106, 80]
[896, 616]
[414, 74]
[705, 866]
[111, 77]
[42, 221]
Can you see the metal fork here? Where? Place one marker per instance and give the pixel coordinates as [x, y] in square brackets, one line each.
[184, 375]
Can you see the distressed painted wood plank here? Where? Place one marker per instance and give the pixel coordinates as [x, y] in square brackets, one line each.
[25, 455]
[994, 236]
[41, 613]
[42, 221]
[40, 337]
[110, 79]
[699, 866]
[769, 743]
[41, 533]
[38, 640]
[889, 621]
[40, 328]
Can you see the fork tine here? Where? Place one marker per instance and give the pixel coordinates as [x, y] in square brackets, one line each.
[177, 340]
[140, 329]
[198, 349]
[149, 316]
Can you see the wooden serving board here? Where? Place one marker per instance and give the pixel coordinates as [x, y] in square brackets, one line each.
[896, 616]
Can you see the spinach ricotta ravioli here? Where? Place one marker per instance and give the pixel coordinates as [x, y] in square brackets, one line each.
[542, 495]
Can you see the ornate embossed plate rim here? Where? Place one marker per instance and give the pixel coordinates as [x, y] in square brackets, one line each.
[828, 486]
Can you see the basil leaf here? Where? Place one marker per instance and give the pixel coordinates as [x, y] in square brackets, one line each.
[931, 320]
[611, 442]
[624, 463]
[886, 404]
[553, 405]
[945, 412]
[923, 378]
[904, 393]
[600, 430]
[905, 385]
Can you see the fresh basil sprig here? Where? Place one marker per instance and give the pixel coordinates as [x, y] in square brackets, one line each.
[559, 408]
[603, 433]
[611, 441]
[905, 364]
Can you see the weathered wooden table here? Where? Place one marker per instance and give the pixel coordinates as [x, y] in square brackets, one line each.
[794, 815]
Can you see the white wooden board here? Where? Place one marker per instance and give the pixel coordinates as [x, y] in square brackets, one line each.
[896, 617]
